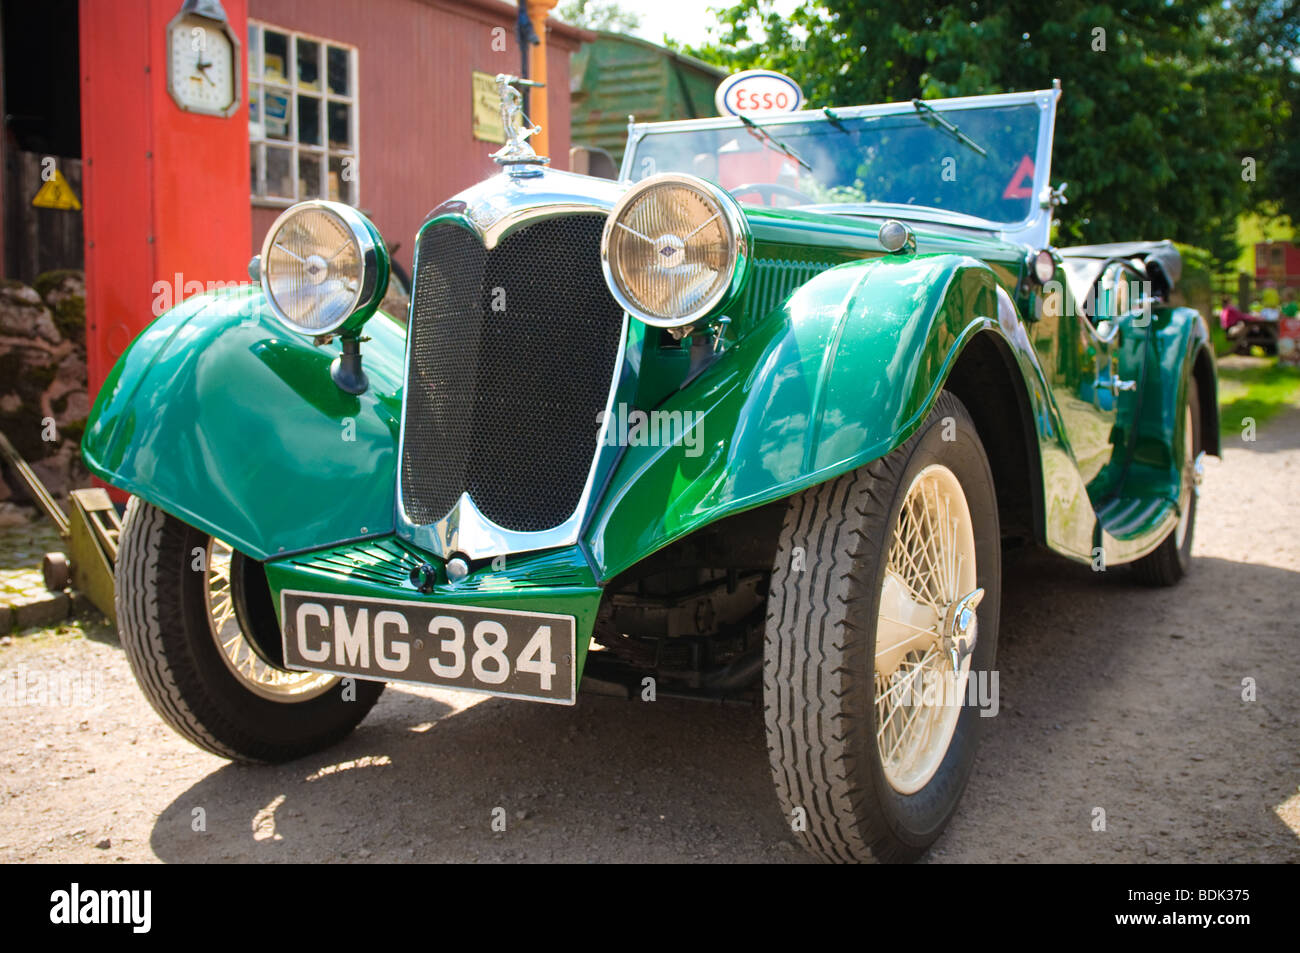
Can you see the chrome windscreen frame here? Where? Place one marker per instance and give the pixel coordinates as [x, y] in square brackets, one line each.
[494, 210]
[1033, 231]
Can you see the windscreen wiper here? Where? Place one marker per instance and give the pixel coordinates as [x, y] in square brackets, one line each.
[929, 114]
[762, 134]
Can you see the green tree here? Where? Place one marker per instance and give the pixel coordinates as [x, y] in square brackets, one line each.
[1266, 36]
[1162, 101]
[598, 15]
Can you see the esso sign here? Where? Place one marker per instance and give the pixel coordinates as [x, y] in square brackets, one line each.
[757, 92]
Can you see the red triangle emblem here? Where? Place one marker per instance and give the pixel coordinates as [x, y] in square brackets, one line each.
[1021, 185]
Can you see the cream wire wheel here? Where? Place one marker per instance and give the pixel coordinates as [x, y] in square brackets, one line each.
[243, 660]
[202, 641]
[926, 629]
[871, 643]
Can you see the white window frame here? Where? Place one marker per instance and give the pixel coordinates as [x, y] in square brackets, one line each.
[258, 141]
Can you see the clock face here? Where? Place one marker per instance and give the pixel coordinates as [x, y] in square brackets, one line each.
[202, 66]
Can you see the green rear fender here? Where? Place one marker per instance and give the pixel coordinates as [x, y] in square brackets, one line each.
[222, 417]
[844, 371]
[1181, 352]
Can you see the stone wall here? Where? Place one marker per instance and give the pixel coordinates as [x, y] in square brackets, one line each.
[43, 401]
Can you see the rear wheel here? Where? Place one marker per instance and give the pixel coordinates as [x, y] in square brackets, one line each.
[883, 607]
[1171, 560]
[196, 620]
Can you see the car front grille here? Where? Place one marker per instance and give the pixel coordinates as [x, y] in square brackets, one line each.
[511, 359]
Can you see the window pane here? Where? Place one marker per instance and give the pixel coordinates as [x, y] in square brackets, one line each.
[275, 107]
[254, 46]
[340, 126]
[309, 172]
[343, 173]
[279, 172]
[276, 57]
[309, 120]
[308, 64]
[340, 63]
[256, 130]
[252, 168]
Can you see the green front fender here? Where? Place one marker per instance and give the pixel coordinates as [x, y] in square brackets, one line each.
[840, 375]
[220, 416]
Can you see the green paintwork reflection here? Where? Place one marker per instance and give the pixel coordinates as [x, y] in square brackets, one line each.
[222, 417]
[838, 376]
[846, 368]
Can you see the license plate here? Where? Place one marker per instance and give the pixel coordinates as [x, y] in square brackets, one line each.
[496, 651]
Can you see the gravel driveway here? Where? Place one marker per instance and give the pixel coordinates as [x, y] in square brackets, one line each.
[1114, 699]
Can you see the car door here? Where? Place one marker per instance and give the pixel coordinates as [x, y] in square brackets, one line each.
[1093, 357]
[1119, 325]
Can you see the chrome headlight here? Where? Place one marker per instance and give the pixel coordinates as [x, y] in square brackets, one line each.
[324, 268]
[675, 247]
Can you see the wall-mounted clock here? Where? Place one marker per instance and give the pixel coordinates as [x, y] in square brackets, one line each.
[203, 62]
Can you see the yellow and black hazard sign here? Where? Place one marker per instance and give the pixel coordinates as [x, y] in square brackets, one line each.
[56, 193]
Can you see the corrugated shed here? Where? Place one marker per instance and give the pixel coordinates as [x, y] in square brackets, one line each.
[618, 75]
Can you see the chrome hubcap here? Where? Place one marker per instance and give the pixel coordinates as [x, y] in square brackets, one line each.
[959, 637]
[927, 629]
[254, 672]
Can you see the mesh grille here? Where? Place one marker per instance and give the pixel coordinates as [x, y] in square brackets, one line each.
[512, 356]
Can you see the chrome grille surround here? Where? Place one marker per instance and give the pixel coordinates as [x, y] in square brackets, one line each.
[465, 529]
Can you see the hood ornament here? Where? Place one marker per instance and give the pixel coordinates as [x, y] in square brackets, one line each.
[519, 158]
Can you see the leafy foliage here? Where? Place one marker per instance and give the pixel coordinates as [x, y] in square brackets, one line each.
[598, 15]
[1163, 101]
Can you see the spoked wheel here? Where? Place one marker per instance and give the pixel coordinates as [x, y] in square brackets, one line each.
[245, 659]
[1170, 561]
[199, 629]
[926, 629]
[883, 606]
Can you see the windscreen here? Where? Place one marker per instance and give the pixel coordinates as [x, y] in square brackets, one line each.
[985, 168]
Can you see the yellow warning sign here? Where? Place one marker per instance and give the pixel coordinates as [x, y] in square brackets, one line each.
[56, 193]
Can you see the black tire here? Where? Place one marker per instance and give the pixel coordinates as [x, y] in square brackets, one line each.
[1169, 562]
[163, 626]
[818, 671]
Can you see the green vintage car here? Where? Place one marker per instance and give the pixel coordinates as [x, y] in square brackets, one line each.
[757, 420]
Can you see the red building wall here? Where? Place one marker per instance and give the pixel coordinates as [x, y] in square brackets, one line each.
[415, 60]
[1277, 264]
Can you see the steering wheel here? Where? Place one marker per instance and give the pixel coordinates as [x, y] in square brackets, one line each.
[768, 191]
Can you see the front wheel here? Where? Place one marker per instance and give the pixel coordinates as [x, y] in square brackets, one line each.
[199, 629]
[882, 625]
